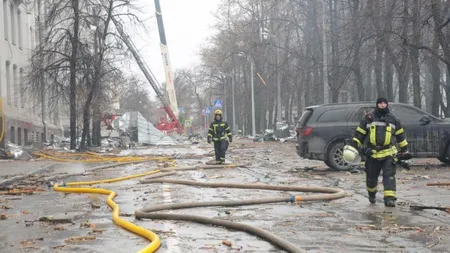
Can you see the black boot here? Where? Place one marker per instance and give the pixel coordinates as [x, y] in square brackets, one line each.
[389, 202]
[372, 197]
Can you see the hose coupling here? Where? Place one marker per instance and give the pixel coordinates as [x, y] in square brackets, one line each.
[292, 199]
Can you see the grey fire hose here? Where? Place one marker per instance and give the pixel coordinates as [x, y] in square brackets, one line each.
[148, 213]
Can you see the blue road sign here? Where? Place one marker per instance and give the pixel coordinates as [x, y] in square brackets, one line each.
[181, 109]
[218, 103]
[208, 110]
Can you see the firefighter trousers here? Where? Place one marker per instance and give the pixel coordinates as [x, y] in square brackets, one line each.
[220, 148]
[373, 169]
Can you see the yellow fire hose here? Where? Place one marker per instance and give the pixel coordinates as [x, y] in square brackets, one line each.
[147, 234]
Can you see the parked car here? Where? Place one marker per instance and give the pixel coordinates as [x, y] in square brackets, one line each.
[322, 129]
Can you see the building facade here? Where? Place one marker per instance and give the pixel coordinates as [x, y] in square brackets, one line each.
[19, 35]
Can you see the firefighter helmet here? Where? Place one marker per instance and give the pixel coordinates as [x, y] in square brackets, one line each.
[217, 112]
[351, 155]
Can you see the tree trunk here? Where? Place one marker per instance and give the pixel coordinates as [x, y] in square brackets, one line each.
[73, 72]
[414, 53]
[369, 90]
[389, 78]
[438, 22]
[96, 127]
[378, 70]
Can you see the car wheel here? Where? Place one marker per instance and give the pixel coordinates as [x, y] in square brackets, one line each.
[335, 158]
[446, 157]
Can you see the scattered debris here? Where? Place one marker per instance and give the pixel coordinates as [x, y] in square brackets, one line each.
[80, 239]
[50, 219]
[439, 184]
[228, 243]
[422, 177]
[3, 216]
[420, 208]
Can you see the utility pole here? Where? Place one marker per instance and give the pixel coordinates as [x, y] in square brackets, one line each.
[253, 94]
[41, 74]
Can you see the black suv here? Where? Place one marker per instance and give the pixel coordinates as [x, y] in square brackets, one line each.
[322, 129]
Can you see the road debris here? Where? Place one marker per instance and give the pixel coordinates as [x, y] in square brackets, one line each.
[420, 208]
[228, 243]
[80, 239]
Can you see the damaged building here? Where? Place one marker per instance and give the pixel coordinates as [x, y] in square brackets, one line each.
[22, 115]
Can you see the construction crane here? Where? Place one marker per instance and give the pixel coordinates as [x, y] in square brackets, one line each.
[167, 126]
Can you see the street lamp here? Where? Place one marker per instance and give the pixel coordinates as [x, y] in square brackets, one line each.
[248, 56]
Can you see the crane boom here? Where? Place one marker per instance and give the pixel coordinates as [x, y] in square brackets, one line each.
[170, 87]
[173, 124]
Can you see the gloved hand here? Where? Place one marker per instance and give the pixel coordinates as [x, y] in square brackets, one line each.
[209, 139]
[404, 155]
[230, 138]
[365, 151]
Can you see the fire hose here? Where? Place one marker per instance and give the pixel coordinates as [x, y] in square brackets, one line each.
[148, 213]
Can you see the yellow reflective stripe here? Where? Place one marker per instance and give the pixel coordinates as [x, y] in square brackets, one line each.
[357, 141]
[384, 153]
[362, 131]
[389, 194]
[223, 137]
[209, 134]
[374, 189]
[400, 131]
[229, 134]
[373, 139]
[387, 138]
[223, 124]
[215, 139]
[228, 128]
[403, 143]
[210, 129]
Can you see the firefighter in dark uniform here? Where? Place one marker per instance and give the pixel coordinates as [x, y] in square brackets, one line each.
[220, 133]
[380, 127]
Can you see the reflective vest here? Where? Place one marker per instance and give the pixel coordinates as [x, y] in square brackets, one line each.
[380, 133]
[219, 130]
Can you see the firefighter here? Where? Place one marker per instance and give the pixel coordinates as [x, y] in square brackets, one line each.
[220, 133]
[380, 128]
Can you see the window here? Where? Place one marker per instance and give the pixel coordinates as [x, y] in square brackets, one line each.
[13, 24]
[360, 114]
[406, 114]
[12, 135]
[5, 19]
[25, 137]
[19, 136]
[22, 90]
[15, 85]
[8, 83]
[334, 115]
[19, 28]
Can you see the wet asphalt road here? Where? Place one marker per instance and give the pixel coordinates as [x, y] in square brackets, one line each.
[350, 224]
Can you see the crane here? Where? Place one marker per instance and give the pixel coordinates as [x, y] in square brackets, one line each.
[172, 125]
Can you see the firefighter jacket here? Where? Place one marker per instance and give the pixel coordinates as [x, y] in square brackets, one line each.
[380, 131]
[219, 130]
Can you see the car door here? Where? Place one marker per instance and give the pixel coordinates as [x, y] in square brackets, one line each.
[420, 137]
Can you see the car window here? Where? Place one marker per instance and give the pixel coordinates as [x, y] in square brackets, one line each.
[360, 114]
[406, 114]
[334, 115]
[305, 117]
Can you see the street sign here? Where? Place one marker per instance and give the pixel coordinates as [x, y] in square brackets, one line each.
[187, 123]
[181, 109]
[208, 110]
[218, 103]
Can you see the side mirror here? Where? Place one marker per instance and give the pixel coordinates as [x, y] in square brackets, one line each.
[425, 120]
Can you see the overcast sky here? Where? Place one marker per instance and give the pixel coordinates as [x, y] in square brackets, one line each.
[187, 24]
